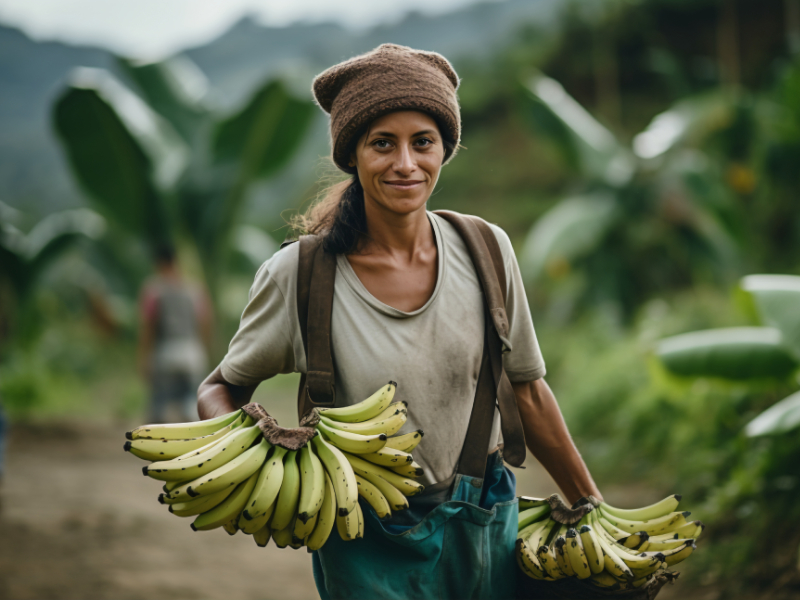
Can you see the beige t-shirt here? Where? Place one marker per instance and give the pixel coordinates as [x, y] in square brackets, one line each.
[433, 353]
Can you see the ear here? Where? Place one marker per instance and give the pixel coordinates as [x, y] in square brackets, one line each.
[352, 162]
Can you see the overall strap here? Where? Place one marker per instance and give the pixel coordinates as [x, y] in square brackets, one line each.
[493, 388]
[316, 274]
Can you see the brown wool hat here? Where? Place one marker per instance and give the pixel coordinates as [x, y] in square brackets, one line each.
[389, 78]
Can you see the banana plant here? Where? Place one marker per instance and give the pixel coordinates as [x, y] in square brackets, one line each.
[26, 256]
[749, 353]
[163, 163]
[632, 226]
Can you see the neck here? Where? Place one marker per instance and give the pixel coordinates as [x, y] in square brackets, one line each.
[392, 233]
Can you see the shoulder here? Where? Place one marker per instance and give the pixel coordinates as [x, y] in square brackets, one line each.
[279, 270]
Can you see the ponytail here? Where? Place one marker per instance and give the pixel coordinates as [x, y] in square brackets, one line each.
[339, 217]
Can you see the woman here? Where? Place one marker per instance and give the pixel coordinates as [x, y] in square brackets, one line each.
[408, 306]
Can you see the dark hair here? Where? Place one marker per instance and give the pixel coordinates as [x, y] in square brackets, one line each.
[339, 217]
[164, 252]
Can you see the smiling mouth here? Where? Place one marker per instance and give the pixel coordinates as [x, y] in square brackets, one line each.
[403, 184]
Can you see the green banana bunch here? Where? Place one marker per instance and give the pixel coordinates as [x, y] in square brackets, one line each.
[241, 472]
[609, 547]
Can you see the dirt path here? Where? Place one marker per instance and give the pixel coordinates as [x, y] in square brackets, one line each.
[78, 521]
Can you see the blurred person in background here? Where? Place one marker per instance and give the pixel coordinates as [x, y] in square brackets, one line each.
[174, 339]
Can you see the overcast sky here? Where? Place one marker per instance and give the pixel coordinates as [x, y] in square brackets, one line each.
[154, 28]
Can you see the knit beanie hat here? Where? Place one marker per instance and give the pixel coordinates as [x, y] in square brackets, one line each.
[389, 78]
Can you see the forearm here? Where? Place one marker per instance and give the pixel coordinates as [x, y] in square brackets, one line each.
[548, 439]
[216, 396]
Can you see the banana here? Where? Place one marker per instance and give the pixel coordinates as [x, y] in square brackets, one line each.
[251, 526]
[633, 559]
[364, 410]
[408, 487]
[410, 470]
[668, 544]
[577, 556]
[527, 532]
[531, 515]
[406, 442]
[612, 562]
[526, 502]
[528, 562]
[228, 508]
[605, 580]
[302, 530]
[647, 513]
[635, 540]
[230, 474]
[342, 475]
[614, 531]
[216, 456]
[231, 527]
[312, 485]
[676, 555]
[282, 537]
[232, 428]
[267, 487]
[360, 513]
[262, 536]
[388, 458]
[657, 564]
[592, 549]
[562, 558]
[395, 498]
[326, 518]
[355, 443]
[388, 422]
[692, 529]
[529, 558]
[347, 525]
[663, 524]
[199, 505]
[158, 450]
[171, 485]
[183, 431]
[286, 504]
[549, 564]
[373, 495]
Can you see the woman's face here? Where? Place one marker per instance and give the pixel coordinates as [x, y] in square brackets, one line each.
[398, 160]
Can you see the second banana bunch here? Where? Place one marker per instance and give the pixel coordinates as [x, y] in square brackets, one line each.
[612, 548]
[240, 471]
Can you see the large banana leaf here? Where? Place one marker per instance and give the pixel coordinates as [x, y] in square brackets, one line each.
[174, 88]
[735, 353]
[25, 256]
[602, 156]
[569, 230]
[778, 300]
[779, 418]
[248, 146]
[688, 121]
[124, 156]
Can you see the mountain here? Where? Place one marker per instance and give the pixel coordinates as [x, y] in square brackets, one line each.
[33, 174]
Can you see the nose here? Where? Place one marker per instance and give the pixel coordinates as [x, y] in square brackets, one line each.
[404, 162]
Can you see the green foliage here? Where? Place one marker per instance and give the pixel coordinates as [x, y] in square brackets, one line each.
[175, 168]
[732, 353]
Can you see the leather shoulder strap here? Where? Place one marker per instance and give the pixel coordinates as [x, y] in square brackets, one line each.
[316, 275]
[488, 260]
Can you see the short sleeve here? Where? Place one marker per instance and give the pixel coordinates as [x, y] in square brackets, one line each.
[524, 362]
[262, 347]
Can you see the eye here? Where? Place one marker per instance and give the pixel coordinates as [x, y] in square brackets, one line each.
[427, 141]
[381, 144]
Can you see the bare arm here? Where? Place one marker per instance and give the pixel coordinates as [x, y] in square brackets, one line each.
[216, 396]
[547, 437]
